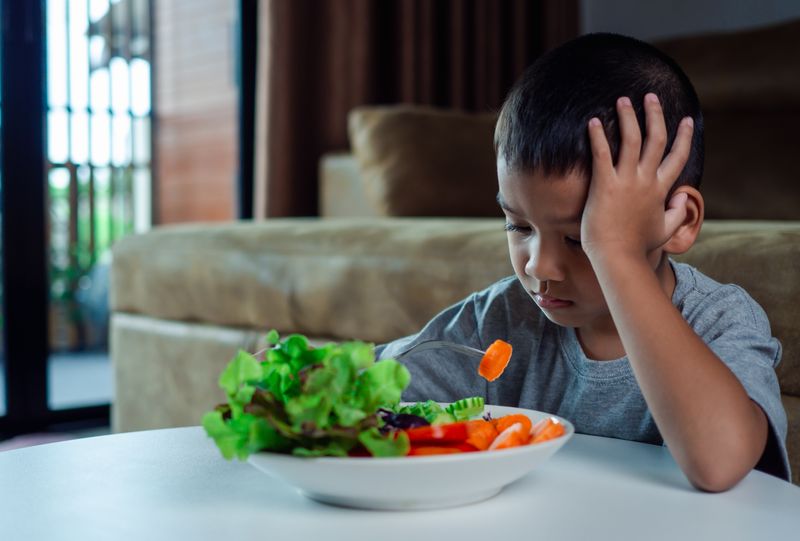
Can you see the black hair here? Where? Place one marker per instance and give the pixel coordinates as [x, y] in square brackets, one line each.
[543, 123]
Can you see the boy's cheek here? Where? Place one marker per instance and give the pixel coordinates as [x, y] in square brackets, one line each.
[518, 257]
[589, 287]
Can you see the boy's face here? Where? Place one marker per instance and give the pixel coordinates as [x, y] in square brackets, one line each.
[543, 222]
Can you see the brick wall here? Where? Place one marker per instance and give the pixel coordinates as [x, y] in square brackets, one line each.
[196, 110]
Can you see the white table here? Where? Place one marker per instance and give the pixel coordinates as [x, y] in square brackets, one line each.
[173, 484]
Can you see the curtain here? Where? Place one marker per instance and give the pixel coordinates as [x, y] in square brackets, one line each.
[317, 59]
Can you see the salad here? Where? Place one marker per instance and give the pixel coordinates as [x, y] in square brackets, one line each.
[337, 400]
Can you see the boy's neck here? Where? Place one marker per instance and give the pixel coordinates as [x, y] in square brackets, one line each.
[601, 342]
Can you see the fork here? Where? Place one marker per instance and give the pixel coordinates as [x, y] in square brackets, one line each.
[441, 344]
[422, 346]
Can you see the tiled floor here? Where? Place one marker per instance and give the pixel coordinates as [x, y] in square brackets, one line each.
[75, 379]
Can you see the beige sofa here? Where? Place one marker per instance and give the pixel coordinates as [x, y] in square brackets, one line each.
[184, 298]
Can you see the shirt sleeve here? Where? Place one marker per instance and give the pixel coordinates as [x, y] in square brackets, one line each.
[441, 375]
[738, 332]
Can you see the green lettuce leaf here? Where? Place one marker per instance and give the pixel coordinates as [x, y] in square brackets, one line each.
[333, 448]
[273, 337]
[242, 371]
[227, 439]
[307, 401]
[309, 412]
[347, 415]
[381, 384]
[380, 445]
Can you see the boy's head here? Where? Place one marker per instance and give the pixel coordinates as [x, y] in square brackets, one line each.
[544, 162]
[542, 125]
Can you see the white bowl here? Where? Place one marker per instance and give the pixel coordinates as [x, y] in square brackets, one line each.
[419, 482]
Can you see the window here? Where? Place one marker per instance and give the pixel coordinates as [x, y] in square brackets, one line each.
[99, 177]
[90, 171]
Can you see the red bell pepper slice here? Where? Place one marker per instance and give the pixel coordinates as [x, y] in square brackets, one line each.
[439, 434]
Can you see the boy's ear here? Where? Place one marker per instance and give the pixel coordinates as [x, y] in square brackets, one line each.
[687, 232]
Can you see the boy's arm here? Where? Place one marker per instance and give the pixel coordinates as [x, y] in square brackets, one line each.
[714, 430]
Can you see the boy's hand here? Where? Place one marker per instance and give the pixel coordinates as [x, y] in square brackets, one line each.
[624, 213]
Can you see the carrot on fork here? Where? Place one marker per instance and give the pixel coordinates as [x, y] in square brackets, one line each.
[495, 360]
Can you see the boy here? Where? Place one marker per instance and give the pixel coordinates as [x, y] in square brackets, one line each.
[598, 184]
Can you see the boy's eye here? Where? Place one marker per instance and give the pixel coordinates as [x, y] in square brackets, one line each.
[517, 228]
[573, 242]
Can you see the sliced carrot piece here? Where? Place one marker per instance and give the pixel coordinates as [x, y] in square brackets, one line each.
[495, 360]
[551, 430]
[424, 450]
[481, 433]
[513, 436]
[538, 426]
[501, 423]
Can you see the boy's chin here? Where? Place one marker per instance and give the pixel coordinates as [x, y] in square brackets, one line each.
[559, 317]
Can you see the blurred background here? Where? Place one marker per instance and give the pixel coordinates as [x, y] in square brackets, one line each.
[118, 115]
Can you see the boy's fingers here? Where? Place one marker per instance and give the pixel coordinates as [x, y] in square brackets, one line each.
[630, 137]
[656, 140]
[673, 164]
[601, 153]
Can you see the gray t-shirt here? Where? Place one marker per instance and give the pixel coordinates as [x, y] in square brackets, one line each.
[550, 372]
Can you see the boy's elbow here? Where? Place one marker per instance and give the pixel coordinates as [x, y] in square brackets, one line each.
[721, 467]
[715, 477]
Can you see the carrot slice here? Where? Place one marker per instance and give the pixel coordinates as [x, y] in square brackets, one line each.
[501, 423]
[536, 428]
[424, 450]
[551, 430]
[513, 436]
[481, 433]
[495, 360]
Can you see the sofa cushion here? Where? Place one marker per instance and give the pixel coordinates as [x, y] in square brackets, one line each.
[420, 161]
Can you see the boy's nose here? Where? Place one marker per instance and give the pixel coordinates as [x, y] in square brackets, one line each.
[544, 263]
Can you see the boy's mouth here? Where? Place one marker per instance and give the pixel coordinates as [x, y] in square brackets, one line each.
[547, 302]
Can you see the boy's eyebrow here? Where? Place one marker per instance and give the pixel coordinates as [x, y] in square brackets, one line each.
[564, 220]
[504, 205]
